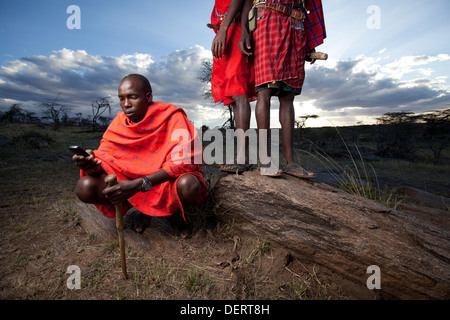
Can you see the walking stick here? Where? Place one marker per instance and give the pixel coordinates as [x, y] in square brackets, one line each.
[110, 181]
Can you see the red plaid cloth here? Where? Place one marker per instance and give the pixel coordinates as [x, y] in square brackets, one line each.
[281, 44]
[133, 150]
[232, 74]
[314, 24]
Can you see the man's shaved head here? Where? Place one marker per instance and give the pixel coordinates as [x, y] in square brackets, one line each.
[146, 87]
[135, 96]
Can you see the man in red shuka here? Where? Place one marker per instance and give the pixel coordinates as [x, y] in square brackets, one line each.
[287, 31]
[232, 79]
[139, 148]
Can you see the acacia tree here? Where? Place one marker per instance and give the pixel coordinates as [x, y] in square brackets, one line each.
[205, 77]
[99, 106]
[300, 121]
[437, 130]
[13, 114]
[53, 110]
[78, 119]
[396, 135]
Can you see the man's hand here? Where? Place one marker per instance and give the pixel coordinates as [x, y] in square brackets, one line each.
[122, 191]
[308, 56]
[245, 43]
[88, 164]
[218, 45]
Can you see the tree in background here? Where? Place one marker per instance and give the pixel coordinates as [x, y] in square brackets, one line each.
[99, 106]
[13, 114]
[400, 133]
[16, 114]
[300, 121]
[53, 110]
[396, 135]
[437, 130]
[205, 77]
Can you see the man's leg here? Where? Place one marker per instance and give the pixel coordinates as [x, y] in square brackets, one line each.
[287, 116]
[242, 112]
[262, 114]
[89, 189]
[189, 189]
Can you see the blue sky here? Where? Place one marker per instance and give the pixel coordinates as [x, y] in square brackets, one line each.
[385, 56]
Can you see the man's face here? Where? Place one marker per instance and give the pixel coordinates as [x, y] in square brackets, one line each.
[133, 99]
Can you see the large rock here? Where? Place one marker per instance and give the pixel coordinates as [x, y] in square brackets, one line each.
[344, 234]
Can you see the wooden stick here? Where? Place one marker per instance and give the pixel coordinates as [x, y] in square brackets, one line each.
[111, 180]
[318, 56]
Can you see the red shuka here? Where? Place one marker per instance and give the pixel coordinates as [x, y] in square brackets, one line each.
[163, 139]
[281, 43]
[232, 74]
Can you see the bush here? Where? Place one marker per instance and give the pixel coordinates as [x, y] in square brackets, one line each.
[34, 140]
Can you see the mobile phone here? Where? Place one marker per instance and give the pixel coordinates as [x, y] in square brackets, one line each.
[79, 151]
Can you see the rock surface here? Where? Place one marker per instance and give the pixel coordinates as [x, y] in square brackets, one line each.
[344, 233]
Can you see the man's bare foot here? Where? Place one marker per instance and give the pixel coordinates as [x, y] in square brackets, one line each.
[137, 221]
[179, 226]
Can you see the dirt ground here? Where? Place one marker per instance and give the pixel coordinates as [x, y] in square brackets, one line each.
[44, 234]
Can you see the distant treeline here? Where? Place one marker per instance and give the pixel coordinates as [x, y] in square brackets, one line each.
[400, 135]
[58, 115]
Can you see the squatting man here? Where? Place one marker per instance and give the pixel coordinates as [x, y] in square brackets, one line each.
[137, 147]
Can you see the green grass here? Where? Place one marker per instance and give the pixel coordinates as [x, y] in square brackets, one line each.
[195, 281]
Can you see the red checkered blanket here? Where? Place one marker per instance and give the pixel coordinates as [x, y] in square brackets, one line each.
[281, 44]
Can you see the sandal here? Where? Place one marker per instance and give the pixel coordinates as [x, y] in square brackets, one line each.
[235, 168]
[268, 170]
[304, 175]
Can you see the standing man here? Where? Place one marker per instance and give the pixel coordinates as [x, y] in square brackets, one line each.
[286, 33]
[233, 79]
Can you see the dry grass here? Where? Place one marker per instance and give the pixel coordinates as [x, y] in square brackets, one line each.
[42, 235]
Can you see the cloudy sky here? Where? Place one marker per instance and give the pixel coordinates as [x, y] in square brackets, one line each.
[384, 56]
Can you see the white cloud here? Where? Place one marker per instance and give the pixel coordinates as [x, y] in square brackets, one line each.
[409, 64]
[368, 87]
[80, 78]
[343, 91]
